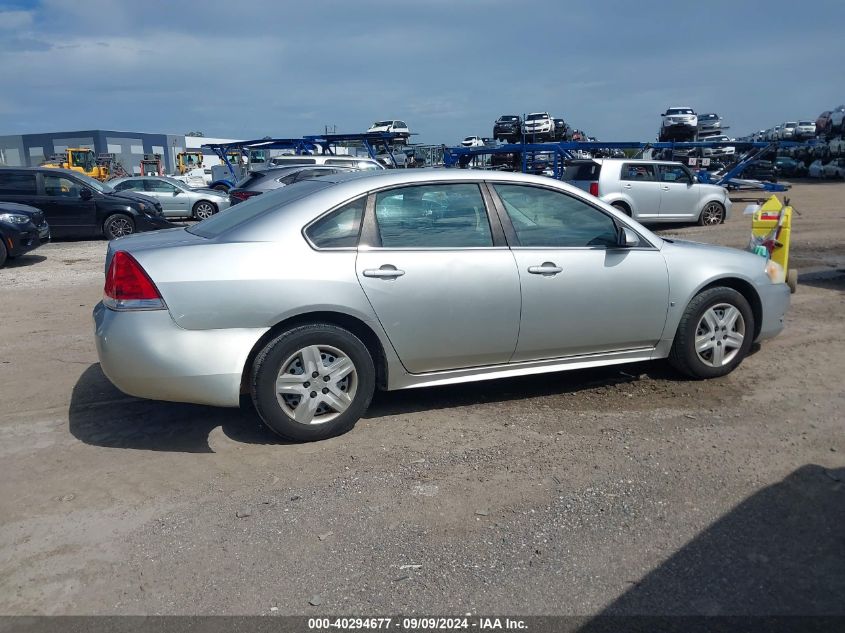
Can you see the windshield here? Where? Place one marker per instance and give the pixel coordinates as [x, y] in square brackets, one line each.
[679, 111]
[95, 184]
[803, 123]
[709, 117]
[271, 201]
[382, 123]
[535, 117]
[508, 117]
[791, 125]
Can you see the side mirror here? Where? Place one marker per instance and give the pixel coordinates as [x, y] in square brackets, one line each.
[85, 193]
[176, 192]
[627, 238]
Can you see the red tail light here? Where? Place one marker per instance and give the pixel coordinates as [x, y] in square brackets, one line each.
[128, 287]
[243, 195]
[594, 189]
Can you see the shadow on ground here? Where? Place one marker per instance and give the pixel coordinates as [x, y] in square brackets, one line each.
[101, 415]
[781, 552]
[24, 260]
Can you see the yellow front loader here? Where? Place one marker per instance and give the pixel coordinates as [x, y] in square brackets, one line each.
[186, 161]
[80, 159]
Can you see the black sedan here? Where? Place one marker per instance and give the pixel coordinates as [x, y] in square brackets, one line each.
[22, 229]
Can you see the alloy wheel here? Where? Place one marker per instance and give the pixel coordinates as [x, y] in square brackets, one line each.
[120, 227]
[719, 335]
[712, 214]
[204, 211]
[316, 384]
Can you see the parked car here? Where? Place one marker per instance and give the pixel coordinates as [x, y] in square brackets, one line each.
[775, 135]
[508, 128]
[312, 296]
[835, 168]
[724, 150]
[539, 126]
[710, 123]
[393, 126]
[823, 123]
[760, 170]
[561, 130]
[472, 141]
[805, 130]
[22, 229]
[837, 119]
[789, 167]
[837, 146]
[76, 205]
[787, 130]
[651, 191]
[816, 169]
[330, 160]
[176, 198]
[679, 124]
[259, 182]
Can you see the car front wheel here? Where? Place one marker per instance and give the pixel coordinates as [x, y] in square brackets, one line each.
[118, 225]
[313, 382]
[712, 214]
[203, 210]
[714, 334]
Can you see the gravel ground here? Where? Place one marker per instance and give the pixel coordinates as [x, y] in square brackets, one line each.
[622, 490]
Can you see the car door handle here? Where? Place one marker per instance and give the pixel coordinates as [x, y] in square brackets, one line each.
[665, 187]
[628, 186]
[546, 268]
[385, 272]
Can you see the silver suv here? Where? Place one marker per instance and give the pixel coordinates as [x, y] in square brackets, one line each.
[651, 191]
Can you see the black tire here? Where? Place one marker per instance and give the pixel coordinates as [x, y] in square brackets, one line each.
[622, 207]
[203, 210]
[4, 252]
[267, 368]
[712, 214]
[683, 356]
[118, 225]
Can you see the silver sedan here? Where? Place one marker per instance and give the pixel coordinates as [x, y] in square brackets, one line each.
[310, 297]
[177, 199]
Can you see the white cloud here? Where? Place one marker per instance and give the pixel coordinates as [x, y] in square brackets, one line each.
[15, 20]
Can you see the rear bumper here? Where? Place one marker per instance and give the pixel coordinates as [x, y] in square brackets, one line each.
[147, 355]
[774, 299]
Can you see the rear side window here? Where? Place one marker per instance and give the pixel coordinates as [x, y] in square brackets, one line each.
[135, 185]
[582, 171]
[17, 183]
[433, 216]
[340, 228]
[636, 171]
[548, 219]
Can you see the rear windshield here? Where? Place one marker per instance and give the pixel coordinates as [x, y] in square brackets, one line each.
[253, 178]
[582, 171]
[232, 217]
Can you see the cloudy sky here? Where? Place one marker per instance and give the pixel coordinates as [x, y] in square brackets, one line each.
[252, 68]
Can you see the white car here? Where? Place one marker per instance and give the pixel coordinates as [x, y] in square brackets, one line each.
[805, 129]
[679, 123]
[835, 168]
[787, 130]
[393, 126]
[540, 125]
[651, 190]
[725, 150]
[472, 141]
[816, 169]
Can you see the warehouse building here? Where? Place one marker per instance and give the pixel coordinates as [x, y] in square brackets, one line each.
[31, 150]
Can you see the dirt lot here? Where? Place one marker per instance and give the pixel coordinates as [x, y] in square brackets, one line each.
[617, 491]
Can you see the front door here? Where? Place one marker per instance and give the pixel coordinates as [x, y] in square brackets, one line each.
[174, 201]
[581, 293]
[679, 197]
[446, 293]
[67, 212]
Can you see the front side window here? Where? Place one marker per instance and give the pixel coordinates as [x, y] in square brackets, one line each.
[132, 185]
[160, 186]
[340, 228]
[60, 187]
[548, 219]
[674, 173]
[433, 216]
[635, 171]
[17, 183]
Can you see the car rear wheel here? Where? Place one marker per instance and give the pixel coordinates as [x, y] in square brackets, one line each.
[118, 225]
[204, 210]
[313, 382]
[714, 334]
[712, 214]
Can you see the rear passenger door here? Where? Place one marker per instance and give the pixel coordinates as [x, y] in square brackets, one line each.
[440, 277]
[679, 195]
[638, 184]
